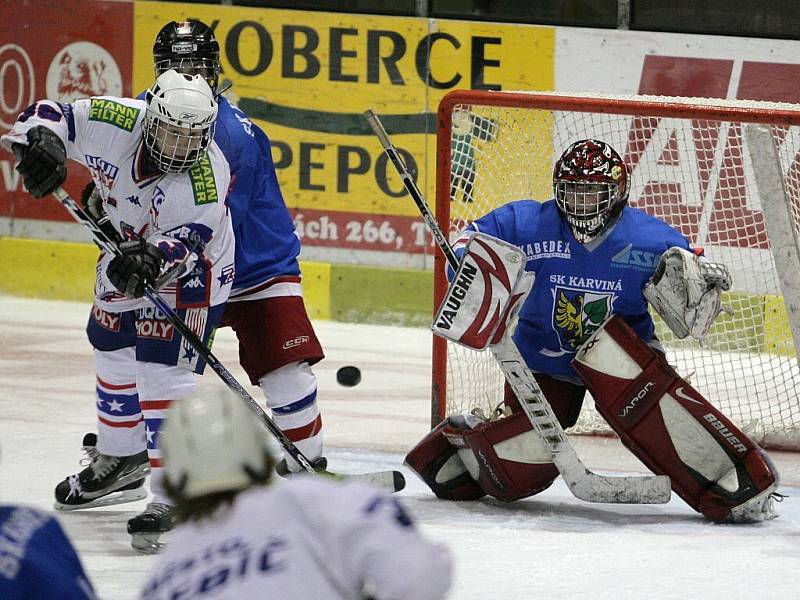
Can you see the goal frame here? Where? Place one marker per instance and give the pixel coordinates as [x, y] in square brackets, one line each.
[663, 107]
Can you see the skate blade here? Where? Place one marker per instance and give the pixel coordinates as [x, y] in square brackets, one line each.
[148, 543]
[118, 497]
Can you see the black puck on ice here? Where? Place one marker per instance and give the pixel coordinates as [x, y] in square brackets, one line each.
[348, 376]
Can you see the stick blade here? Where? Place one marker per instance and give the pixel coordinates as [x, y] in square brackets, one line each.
[592, 487]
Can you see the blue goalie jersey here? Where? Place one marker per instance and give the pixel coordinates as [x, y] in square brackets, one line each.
[577, 287]
[37, 559]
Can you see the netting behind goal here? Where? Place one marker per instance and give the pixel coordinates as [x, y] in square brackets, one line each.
[692, 166]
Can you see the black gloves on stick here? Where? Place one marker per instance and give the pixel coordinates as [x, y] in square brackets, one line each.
[138, 265]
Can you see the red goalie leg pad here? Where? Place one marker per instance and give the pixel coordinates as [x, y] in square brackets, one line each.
[669, 426]
[512, 461]
[435, 459]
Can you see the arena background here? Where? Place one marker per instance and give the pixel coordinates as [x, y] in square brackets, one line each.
[306, 77]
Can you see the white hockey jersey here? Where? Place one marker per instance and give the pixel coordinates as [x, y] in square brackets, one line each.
[308, 537]
[182, 213]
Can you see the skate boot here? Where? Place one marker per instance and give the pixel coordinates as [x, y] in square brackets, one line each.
[105, 481]
[148, 528]
[320, 466]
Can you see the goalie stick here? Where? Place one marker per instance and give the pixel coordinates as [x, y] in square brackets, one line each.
[391, 480]
[583, 483]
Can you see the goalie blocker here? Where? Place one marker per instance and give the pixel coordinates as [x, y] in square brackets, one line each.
[673, 430]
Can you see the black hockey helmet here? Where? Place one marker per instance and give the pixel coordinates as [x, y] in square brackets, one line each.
[188, 47]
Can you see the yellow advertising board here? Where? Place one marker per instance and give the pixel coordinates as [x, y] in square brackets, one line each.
[307, 77]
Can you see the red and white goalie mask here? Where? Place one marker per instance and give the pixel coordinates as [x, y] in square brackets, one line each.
[591, 184]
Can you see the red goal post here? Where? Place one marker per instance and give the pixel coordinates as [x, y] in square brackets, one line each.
[696, 163]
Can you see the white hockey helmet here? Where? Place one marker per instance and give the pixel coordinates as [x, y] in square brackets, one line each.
[213, 444]
[179, 120]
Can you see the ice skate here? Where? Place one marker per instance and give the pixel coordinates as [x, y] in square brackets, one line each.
[106, 480]
[147, 528]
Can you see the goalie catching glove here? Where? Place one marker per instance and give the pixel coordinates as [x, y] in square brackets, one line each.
[137, 266]
[686, 292]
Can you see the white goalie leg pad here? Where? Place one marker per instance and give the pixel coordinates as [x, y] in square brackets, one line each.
[673, 430]
[485, 295]
[687, 293]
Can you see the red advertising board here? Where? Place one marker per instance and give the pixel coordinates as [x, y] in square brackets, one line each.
[62, 51]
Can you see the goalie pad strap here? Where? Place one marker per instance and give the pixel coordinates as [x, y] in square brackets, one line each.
[669, 426]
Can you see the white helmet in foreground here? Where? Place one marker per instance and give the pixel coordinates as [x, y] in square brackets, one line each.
[179, 121]
[213, 444]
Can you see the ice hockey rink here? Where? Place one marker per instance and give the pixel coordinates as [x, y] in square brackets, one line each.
[549, 546]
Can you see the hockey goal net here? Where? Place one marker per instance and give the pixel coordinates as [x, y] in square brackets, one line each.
[696, 165]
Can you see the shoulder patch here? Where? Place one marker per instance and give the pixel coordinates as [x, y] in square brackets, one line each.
[113, 113]
[204, 186]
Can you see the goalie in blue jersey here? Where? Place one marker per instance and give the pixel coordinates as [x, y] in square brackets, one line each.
[598, 263]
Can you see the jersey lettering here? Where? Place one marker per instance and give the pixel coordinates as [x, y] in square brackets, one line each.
[203, 185]
[113, 113]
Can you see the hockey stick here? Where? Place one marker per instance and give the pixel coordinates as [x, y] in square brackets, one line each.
[387, 479]
[583, 483]
[158, 301]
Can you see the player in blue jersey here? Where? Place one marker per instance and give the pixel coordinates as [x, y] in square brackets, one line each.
[37, 560]
[598, 263]
[277, 343]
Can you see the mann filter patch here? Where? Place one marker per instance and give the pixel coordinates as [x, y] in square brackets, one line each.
[113, 113]
[204, 187]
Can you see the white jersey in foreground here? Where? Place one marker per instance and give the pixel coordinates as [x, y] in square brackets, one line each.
[308, 537]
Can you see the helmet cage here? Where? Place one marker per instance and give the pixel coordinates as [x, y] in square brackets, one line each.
[179, 121]
[590, 184]
[175, 147]
[585, 206]
[208, 68]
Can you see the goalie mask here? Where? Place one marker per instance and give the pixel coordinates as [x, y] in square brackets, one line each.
[590, 182]
[188, 47]
[179, 121]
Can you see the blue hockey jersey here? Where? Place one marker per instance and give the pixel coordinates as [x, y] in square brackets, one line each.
[577, 287]
[266, 242]
[37, 560]
[267, 245]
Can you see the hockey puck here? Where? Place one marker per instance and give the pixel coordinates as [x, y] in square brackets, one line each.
[348, 376]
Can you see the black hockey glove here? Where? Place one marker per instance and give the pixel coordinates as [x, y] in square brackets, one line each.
[43, 162]
[92, 201]
[93, 206]
[138, 265]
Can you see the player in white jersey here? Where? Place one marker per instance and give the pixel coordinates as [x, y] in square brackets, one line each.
[163, 183]
[240, 536]
[277, 342]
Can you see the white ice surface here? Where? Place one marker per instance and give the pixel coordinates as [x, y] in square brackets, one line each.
[549, 546]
